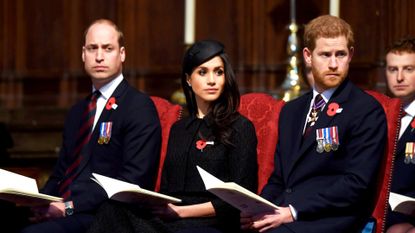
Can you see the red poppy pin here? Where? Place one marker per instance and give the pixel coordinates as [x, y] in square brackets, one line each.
[201, 144]
[333, 109]
[111, 104]
[413, 123]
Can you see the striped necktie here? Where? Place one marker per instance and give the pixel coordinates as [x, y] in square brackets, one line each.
[318, 104]
[84, 134]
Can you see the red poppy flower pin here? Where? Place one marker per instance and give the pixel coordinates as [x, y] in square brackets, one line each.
[111, 104]
[413, 124]
[202, 143]
[333, 109]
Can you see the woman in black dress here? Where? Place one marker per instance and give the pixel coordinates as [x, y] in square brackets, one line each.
[215, 137]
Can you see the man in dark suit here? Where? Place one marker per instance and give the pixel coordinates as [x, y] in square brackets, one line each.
[123, 140]
[400, 78]
[330, 147]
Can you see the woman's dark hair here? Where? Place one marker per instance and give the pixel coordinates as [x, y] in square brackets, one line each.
[224, 110]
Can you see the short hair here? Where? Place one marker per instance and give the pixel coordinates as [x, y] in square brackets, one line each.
[111, 23]
[327, 26]
[404, 44]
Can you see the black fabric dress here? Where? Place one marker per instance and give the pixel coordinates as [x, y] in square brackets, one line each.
[181, 179]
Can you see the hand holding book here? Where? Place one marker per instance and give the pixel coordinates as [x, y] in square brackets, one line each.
[236, 195]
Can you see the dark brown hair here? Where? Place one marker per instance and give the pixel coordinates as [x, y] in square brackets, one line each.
[404, 44]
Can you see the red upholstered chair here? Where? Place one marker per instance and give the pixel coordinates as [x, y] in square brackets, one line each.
[168, 114]
[392, 108]
[263, 110]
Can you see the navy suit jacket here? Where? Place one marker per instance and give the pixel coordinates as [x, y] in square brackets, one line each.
[331, 191]
[402, 181]
[402, 177]
[131, 155]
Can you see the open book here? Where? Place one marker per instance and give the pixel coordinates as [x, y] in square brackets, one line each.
[402, 204]
[22, 190]
[236, 195]
[131, 193]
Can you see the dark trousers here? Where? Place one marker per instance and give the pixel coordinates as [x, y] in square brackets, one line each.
[77, 223]
[12, 218]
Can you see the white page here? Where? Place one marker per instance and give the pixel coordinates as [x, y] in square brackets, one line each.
[208, 179]
[401, 203]
[10, 180]
[236, 195]
[112, 186]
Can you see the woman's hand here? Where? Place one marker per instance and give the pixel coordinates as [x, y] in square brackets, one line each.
[167, 212]
[171, 211]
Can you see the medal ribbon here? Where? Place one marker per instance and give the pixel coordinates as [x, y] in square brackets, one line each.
[334, 134]
[108, 130]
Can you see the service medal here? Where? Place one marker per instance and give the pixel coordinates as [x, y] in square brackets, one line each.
[105, 131]
[407, 159]
[313, 118]
[335, 138]
[327, 147]
[319, 139]
[327, 139]
[409, 153]
[320, 147]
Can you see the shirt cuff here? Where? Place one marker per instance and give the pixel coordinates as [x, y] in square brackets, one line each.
[293, 212]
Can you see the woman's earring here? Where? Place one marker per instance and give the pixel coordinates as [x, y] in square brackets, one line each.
[187, 80]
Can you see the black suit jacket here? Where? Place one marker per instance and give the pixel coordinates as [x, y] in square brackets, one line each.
[131, 155]
[331, 191]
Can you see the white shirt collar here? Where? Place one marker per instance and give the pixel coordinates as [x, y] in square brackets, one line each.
[106, 92]
[410, 109]
[326, 94]
[109, 88]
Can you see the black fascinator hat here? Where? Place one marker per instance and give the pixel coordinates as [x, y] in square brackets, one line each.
[199, 53]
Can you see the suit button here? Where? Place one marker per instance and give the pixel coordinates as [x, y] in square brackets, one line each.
[288, 190]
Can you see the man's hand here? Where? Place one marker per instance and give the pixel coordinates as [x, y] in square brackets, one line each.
[53, 210]
[265, 221]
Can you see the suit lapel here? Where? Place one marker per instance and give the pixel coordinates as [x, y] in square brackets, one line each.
[340, 96]
[295, 131]
[104, 117]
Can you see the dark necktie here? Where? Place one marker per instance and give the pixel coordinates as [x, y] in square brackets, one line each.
[84, 134]
[318, 104]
